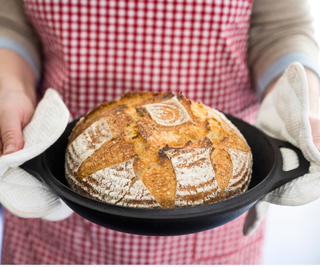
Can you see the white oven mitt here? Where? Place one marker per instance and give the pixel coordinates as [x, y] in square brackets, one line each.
[284, 115]
[21, 193]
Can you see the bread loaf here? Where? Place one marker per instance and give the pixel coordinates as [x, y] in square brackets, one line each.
[151, 150]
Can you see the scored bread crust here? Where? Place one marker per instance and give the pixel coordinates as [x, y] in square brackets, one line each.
[151, 150]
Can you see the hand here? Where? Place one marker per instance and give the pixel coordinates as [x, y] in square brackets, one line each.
[17, 107]
[314, 94]
[287, 114]
[20, 192]
[17, 100]
[16, 110]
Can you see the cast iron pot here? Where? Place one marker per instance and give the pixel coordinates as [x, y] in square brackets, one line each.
[267, 175]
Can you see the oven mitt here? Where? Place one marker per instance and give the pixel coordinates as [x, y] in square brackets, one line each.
[21, 193]
[284, 115]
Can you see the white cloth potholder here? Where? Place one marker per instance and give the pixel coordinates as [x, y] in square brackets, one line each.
[21, 193]
[284, 115]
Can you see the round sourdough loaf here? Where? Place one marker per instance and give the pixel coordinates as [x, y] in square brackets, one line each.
[151, 150]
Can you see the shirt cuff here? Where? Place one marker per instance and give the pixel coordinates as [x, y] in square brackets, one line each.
[23, 52]
[278, 67]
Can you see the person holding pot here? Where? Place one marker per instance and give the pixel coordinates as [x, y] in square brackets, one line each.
[227, 54]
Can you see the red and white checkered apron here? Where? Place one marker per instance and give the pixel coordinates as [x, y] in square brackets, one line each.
[96, 50]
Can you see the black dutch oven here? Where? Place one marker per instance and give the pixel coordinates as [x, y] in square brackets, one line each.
[267, 175]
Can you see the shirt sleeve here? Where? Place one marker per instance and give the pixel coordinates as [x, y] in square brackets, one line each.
[281, 32]
[17, 34]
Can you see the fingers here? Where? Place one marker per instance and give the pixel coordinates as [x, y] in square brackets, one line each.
[1, 147]
[11, 133]
[316, 141]
[315, 130]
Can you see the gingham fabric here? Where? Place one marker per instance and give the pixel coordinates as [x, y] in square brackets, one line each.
[78, 241]
[96, 50]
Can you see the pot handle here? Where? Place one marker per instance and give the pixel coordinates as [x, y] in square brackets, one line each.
[282, 177]
[34, 167]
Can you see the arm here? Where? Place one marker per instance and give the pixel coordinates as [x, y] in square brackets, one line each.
[281, 32]
[19, 70]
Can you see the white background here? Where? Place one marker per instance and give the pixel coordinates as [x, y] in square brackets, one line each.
[293, 233]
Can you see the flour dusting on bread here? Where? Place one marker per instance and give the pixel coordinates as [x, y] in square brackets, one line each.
[87, 143]
[242, 162]
[139, 197]
[157, 151]
[168, 113]
[192, 166]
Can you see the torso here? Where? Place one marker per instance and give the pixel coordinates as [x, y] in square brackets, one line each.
[97, 50]
[94, 51]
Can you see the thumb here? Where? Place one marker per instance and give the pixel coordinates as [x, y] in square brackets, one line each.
[11, 133]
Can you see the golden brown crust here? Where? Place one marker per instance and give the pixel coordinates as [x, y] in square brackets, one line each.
[109, 154]
[171, 152]
[222, 165]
